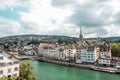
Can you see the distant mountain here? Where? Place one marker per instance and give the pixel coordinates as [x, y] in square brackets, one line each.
[57, 37]
[36, 36]
[112, 38]
[106, 38]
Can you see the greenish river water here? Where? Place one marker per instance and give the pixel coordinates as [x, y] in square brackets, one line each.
[48, 71]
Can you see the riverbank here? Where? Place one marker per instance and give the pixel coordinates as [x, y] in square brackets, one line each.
[49, 71]
[86, 66]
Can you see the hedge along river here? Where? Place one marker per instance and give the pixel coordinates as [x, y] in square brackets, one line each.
[48, 71]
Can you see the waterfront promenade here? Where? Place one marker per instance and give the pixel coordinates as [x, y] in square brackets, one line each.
[87, 66]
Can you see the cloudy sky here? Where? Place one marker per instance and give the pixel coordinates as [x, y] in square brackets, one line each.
[60, 17]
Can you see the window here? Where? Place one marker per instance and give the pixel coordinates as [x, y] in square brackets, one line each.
[10, 63]
[16, 62]
[1, 64]
[88, 56]
[9, 70]
[15, 75]
[1, 58]
[10, 57]
[1, 71]
[91, 56]
[16, 69]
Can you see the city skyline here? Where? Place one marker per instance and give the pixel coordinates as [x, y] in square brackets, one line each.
[98, 18]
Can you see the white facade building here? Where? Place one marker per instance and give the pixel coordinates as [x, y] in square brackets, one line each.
[9, 65]
[86, 54]
[29, 50]
[118, 65]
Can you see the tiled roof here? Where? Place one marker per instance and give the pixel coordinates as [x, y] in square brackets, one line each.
[12, 55]
[47, 46]
[61, 49]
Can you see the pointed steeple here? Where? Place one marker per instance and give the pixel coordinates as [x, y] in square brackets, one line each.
[81, 34]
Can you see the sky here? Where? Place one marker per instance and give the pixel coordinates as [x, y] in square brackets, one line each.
[98, 18]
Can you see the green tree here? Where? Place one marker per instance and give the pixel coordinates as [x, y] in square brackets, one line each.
[34, 42]
[6, 78]
[92, 42]
[60, 41]
[116, 49]
[26, 71]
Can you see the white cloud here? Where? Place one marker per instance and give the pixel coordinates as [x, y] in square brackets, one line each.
[9, 27]
[6, 3]
[97, 17]
[46, 17]
[112, 30]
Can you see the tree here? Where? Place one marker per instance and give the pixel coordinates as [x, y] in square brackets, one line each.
[6, 78]
[116, 49]
[26, 71]
[60, 41]
[92, 42]
[34, 42]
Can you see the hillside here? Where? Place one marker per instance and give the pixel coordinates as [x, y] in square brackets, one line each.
[36, 36]
[56, 37]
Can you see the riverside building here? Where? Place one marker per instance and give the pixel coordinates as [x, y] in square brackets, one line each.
[82, 52]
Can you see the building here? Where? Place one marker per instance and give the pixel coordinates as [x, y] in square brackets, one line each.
[78, 54]
[118, 65]
[89, 54]
[70, 53]
[29, 50]
[9, 64]
[104, 55]
[47, 50]
[42, 48]
[60, 53]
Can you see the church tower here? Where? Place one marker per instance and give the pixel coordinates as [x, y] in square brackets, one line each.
[81, 34]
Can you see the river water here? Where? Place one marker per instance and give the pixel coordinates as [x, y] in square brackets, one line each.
[48, 71]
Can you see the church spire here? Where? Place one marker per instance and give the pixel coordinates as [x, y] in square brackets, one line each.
[81, 34]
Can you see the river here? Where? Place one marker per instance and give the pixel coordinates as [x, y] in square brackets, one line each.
[48, 71]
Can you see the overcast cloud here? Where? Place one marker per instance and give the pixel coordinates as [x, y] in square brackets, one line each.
[60, 17]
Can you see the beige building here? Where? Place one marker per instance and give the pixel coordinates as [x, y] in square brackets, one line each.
[104, 55]
[47, 50]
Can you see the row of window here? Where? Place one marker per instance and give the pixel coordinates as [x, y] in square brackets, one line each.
[88, 59]
[88, 56]
[9, 63]
[104, 61]
[9, 70]
[1, 58]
